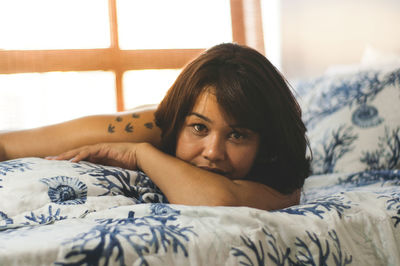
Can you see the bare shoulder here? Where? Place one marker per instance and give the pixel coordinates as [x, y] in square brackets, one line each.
[264, 197]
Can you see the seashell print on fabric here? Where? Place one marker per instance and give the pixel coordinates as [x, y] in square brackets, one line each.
[66, 190]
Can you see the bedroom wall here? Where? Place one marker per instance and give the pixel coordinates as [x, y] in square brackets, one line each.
[317, 34]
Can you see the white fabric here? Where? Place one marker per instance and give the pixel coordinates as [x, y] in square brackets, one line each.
[353, 119]
[58, 212]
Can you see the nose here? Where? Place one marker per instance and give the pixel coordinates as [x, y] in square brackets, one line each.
[214, 148]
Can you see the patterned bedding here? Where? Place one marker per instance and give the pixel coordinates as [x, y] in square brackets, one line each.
[63, 213]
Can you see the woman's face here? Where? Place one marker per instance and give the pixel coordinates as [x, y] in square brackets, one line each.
[212, 141]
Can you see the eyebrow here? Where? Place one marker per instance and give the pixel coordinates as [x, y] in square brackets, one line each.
[200, 116]
[210, 121]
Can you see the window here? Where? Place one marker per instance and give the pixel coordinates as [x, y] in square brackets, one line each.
[173, 24]
[49, 24]
[33, 99]
[141, 86]
[69, 53]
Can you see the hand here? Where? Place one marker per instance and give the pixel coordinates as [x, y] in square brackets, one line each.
[113, 154]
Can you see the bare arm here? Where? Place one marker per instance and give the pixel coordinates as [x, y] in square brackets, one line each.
[133, 126]
[181, 182]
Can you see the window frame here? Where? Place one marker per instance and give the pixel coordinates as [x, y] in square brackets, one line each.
[246, 23]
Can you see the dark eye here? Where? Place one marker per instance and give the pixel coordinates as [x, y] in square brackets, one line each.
[199, 128]
[237, 136]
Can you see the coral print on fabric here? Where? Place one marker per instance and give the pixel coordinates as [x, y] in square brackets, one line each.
[393, 203]
[13, 166]
[321, 206]
[309, 250]
[5, 220]
[387, 154]
[358, 90]
[49, 217]
[118, 181]
[326, 228]
[158, 232]
[353, 120]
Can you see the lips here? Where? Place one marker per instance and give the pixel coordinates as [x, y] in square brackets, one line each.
[214, 170]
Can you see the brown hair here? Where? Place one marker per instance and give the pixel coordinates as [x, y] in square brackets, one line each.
[253, 92]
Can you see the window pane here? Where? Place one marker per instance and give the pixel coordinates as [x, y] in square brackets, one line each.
[155, 24]
[49, 24]
[147, 86]
[32, 100]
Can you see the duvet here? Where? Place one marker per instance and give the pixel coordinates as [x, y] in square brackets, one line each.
[63, 213]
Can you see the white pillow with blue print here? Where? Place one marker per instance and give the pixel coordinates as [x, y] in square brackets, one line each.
[353, 119]
[35, 190]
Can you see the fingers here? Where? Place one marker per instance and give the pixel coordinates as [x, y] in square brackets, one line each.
[114, 154]
[77, 155]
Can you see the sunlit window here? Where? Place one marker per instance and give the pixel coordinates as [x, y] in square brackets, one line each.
[50, 24]
[147, 86]
[160, 24]
[32, 100]
[104, 32]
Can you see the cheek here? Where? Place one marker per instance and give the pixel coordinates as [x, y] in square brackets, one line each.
[185, 147]
[242, 161]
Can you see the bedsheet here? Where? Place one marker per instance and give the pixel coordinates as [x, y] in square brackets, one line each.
[64, 213]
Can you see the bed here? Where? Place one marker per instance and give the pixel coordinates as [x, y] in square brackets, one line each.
[64, 213]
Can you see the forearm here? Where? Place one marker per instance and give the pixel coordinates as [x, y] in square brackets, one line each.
[38, 142]
[50, 140]
[183, 183]
[56, 139]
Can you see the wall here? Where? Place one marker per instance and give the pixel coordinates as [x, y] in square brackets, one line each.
[316, 34]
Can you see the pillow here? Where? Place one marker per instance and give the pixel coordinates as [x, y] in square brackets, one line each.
[353, 119]
[31, 188]
[374, 56]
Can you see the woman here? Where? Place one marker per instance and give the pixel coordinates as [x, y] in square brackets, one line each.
[228, 133]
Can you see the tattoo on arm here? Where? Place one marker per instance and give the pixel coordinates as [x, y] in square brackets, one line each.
[135, 115]
[149, 125]
[111, 128]
[129, 128]
[118, 119]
